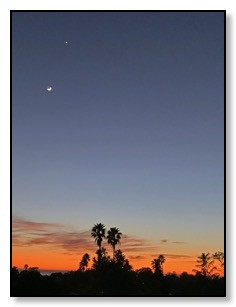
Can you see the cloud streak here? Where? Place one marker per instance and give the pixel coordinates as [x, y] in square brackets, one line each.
[133, 244]
[137, 257]
[172, 256]
[29, 233]
[164, 241]
[22, 225]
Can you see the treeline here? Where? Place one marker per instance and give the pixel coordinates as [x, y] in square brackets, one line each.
[114, 276]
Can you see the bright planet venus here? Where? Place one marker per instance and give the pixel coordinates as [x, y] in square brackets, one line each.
[49, 88]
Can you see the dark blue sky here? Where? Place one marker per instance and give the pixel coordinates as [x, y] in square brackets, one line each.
[132, 133]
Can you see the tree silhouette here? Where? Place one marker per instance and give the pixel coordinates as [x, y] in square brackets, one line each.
[84, 262]
[220, 257]
[102, 260]
[120, 260]
[98, 232]
[113, 237]
[157, 265]
[205, 264]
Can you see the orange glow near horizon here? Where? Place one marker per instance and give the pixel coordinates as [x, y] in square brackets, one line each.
[170, 265]
[45, 260]
[57, 260]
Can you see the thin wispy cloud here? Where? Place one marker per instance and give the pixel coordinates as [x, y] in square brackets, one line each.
[20, 224]
[29, 233]
[164, 241]
[172, 256]
[133, 244]
[136, 258]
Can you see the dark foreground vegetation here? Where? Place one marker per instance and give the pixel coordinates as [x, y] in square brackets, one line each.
[115, 276]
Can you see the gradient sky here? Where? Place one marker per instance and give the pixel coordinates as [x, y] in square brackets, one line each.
[131, 135]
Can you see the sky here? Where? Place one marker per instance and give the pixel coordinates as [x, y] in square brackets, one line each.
[131, 135]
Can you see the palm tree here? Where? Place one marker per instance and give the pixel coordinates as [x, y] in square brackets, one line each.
[98, 232]
[205, 264]
[84, 262]
[113, 237]
[221, 259]
[162, 259]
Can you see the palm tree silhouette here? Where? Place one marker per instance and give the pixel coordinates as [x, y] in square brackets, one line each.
[219, 256]
[84, 262]
[113, 237]
[205, 264]
[162, 259]
[98, 232]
